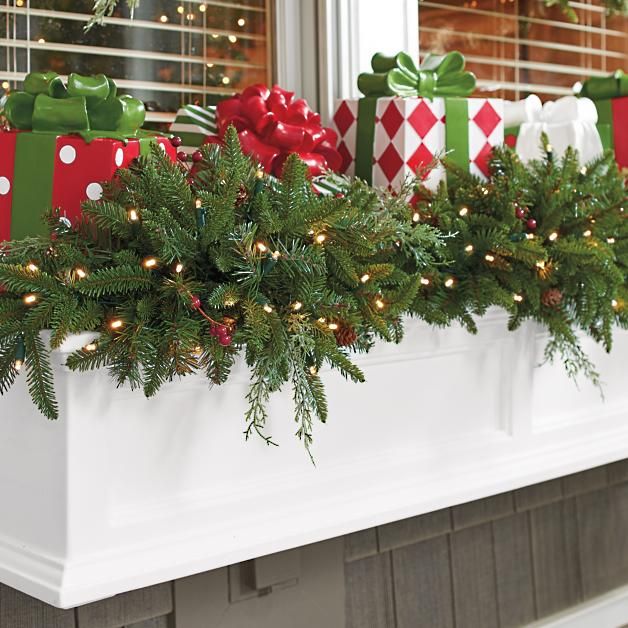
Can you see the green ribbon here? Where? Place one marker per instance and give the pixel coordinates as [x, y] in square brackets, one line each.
[604, 87]
[88, 105]
[438, 75]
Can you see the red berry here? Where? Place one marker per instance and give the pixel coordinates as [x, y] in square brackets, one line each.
[520, 213]
[531, 224]
[221, 330]
[340, 195]
[197, 156]
[182, 156]
[225, 341]
[176, 141]
[191, 181]
[195, 302]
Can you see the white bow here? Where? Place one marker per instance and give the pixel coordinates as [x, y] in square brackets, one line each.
[568, 121]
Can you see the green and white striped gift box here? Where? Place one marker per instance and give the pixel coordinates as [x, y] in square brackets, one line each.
[193, 124]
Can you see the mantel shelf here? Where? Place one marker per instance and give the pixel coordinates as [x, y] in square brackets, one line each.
[122, 492]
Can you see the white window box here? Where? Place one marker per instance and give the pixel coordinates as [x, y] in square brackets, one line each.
[122, 492]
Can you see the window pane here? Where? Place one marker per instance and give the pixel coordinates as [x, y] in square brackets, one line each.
[516, 47]
[169, 53]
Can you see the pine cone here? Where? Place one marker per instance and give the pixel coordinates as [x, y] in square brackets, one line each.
[345, 335]
[242, 196]
[552, 297]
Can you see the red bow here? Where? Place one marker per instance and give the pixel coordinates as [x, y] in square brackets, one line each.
[272, 125]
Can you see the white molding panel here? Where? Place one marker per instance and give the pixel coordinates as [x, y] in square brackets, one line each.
[122, 492]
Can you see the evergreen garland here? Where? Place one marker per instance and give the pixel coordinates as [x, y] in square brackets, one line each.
[546, 242]
[176, 278]
[176, 272]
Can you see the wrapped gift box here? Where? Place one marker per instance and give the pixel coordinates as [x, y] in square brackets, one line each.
[195, 125]
[39, 171]
[610, 95]
[67, 139]
[568, 122]
[411, 132]
[410, 116]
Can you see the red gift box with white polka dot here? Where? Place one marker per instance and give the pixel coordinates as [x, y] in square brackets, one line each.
[411, 132]
[39, 171]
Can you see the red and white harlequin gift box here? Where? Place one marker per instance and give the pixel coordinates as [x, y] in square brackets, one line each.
[409, 133]
[43, 170]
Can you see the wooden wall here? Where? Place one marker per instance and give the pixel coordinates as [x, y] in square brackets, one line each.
[502, 561]
[498, 562]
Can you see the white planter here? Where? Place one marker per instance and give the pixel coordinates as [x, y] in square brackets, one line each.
[122, 492]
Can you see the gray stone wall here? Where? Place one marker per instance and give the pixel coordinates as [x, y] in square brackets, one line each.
[498, 562]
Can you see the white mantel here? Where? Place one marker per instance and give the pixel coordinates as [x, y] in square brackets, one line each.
[122, 492]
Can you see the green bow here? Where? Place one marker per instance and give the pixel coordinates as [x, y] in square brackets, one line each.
[438, 75]
[604, 87]
[87, 105]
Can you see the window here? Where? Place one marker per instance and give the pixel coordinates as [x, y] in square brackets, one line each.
[517, 47]
[169, 54]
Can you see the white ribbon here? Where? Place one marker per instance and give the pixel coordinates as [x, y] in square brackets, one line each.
[568, 121]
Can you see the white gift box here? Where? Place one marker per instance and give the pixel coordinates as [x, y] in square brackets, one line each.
[568, 121]
[123, 492]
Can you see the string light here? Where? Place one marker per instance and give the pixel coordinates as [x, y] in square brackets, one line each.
[334, 326]
[29, 299]
[517, 298]
[583, 170]
[150, 262]
[90, 347]
[180, 10]
[241, 21]
[226, 80]
[489, 258]
[5, 85]
[313, 370]
[320, 238]
[530, 236]
[587, 233]
[416, 217]
[379, 304]
[32, 267]
[615, 303]
[610, 240]
[163, 19]
[178, 268]
[259, 174]
[261, 247]
[449, 282]
[276, 255]
[233, 39]
[268, 308]
[485, 191]
[365, 277]
[552, 237]
[540, 264]
[463, 212]
[297, 305]
[198, 203]
[80, 273]
[321, 320]
[202, 8]
[425, 281]
[549, 148]
[133, 215]
[469, 248]
[116, 324]
[20, 354]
